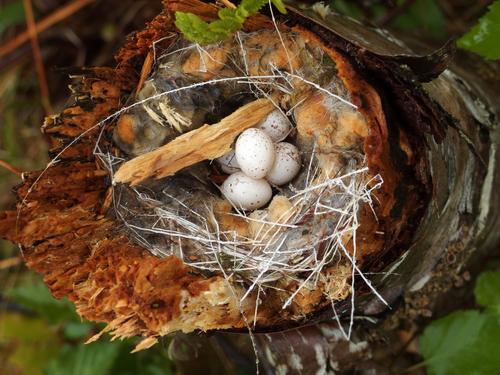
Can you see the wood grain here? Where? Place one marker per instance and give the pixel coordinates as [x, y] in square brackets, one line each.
[205, 143]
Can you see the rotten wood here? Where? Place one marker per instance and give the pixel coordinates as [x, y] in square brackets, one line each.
[206, 143]
[145, 71]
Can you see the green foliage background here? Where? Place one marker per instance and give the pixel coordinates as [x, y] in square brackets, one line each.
[466, 342]
[42, 335]
[484, 37]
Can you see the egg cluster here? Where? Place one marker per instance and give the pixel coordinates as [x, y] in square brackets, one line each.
[259, 159]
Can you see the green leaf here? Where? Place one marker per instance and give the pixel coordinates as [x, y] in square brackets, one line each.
[230, 21]
[33, 344]
[147, 362]
[11, 14]
[279, 5]
[487, 291]
[92, 359]
[484, 37]
[36, 296]
[465, 342]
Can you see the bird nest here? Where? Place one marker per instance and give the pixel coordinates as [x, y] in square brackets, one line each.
[156, 245]
[306, 236]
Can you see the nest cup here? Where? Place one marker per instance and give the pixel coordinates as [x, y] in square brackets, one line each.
[302, 246]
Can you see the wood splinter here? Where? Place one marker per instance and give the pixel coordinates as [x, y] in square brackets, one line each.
[206, 143]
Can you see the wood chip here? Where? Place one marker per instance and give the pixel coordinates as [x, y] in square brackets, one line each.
[145, 344]
[145, 71]
[206, 143]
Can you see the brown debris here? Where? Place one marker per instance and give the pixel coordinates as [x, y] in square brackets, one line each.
[145, 71]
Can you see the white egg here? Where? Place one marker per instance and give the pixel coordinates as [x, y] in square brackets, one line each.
[286, 164]
[255, 153]
[246, 193]
[275, 125]
[228, 163]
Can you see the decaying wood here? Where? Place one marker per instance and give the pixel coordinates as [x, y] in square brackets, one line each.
[206, 143]
[86, 255]
[58, 221]
[82, 254]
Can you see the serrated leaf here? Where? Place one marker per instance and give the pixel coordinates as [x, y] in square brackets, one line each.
[487, 290]
[230, 20]
[465, 342]
[92, 359]
[36, 296]
[484, 37]
[194, 28]
[227, 13]
[250, 7]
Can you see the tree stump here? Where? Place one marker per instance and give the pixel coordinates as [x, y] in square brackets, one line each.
[435, 134]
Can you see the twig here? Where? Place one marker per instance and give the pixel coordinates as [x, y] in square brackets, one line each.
[37, 56]
[205, 143]
[10, 168]
[44, 24]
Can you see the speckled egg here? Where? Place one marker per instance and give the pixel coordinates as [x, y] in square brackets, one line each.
[286, 164]
[228, 163]
[246, 193]
[275, 125]
[255, 153]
